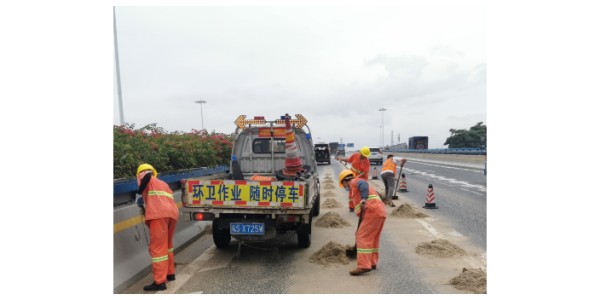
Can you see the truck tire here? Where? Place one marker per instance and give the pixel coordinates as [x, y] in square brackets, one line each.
[316, 209]
[221, 237]
[303, 240]
[303, 234]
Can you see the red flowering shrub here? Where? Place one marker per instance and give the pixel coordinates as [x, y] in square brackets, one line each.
[167, 151]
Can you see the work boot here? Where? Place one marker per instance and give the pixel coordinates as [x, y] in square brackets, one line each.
[170, 277]
[359, 271]
[374, 267]
[155, 287]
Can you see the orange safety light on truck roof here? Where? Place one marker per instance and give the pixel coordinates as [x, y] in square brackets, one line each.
[241, 121]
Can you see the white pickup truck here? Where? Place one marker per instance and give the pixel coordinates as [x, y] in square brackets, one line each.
[259, 203]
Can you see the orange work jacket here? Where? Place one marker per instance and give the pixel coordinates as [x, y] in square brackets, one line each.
[158, 199]
[360, 165]
[373, 196]
[389, 165]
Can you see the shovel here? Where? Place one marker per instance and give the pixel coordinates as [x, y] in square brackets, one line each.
[351, 253]
[397, 182]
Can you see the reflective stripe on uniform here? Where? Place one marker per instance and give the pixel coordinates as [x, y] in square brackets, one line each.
[371, 197]
[367, 250]
[160, 193]
[171, 250]
[160, 259]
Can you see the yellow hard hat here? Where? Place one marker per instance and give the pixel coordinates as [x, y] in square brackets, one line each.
[144, 167]
[365, 151]
[344, 174]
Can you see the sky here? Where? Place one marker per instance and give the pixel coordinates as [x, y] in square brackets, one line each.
[424, 62]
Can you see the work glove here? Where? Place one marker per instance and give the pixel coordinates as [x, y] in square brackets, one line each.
[140, 203]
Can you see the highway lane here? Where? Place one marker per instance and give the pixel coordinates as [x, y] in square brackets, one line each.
[460, 195]
[201, 268]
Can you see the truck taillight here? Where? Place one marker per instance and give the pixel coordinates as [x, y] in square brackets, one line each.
[203, 216]
[289, 219]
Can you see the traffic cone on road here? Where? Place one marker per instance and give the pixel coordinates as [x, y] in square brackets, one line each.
[293, 163]
[430, 198]
[374, 174]
[402, 186]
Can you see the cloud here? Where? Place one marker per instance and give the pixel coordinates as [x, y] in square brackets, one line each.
[335, 66]
[401, 67]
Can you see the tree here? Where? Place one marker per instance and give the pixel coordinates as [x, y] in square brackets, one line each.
[475, 137]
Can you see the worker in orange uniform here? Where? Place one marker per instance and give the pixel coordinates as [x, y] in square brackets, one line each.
[371, 209]
[388, 173]
[360, 167]
[161, 215]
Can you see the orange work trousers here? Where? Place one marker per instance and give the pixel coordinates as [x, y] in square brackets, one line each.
[161, 248]
[367, 236]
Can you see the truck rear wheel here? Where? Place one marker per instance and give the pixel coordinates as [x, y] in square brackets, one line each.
[316, 209]
[303, 240]
[221, 237]
[304, 234]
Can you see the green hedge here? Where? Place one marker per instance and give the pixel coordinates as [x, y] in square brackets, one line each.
[167, 151]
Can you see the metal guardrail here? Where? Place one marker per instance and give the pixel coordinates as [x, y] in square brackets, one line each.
[130, 185]
[467, 151]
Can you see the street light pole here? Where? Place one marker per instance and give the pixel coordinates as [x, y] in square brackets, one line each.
[201, 115]
[381, 135]
[121, 114]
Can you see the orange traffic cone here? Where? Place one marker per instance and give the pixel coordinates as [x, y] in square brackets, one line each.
[293, 163]
[402, 186]
[430, 198]
[374, 174]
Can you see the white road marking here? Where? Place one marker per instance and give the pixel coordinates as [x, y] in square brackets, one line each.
[473, 262]
[455, 233]
[469, 187]
[468, 259]
[430, 229]
[189, 270]
[447, 167]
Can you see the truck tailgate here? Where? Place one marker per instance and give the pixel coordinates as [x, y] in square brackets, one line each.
[244, 193]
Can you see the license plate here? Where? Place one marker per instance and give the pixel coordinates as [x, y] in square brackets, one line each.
[247, 229]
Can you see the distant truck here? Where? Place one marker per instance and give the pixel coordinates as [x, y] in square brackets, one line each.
[256, 202]
[418, 142]
[341, 150]
[333, 147]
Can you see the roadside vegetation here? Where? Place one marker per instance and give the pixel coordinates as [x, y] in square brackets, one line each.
[167, 151]
[475, 137]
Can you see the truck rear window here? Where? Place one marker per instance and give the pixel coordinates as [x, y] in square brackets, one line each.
[263, 146]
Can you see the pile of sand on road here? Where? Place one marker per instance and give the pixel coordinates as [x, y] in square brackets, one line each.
[330, 203]
[474, 280]
[331, 253]
[440, 248]
[331, 219]
[328, 180]
[329, 187]
[329, 194]
[407, 211]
